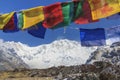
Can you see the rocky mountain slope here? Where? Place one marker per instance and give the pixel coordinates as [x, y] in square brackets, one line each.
[108, 54]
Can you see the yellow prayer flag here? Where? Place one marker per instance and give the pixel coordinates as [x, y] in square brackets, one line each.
[103, 8]
[4, 19]
[32, 16]
[119, 2]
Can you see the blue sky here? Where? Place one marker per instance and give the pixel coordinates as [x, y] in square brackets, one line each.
[51, 35]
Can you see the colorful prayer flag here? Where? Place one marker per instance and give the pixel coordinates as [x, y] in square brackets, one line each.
[11, 26]
[32, 16]
[92, 37]
[53, 15]
[104, 8]
[86, 17]
[4, 19]
[37, 30]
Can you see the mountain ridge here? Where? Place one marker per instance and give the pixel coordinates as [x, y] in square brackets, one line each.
[59, 52]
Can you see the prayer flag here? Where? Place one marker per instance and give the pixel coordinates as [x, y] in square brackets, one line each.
[53, 15]
[20, 20]
[4, 19]
[32, 16]
[37, 30]
[86, 17]
[67, 10]
[104, 8]
[78, 11]
[92, 37]
[11, 26]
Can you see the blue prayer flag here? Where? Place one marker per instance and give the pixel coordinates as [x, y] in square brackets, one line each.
[38, 31]
[92, 37]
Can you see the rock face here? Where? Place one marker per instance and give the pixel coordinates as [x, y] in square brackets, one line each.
[108, 54]
[97, 71]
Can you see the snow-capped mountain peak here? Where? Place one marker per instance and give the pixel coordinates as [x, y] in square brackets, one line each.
[60, 52]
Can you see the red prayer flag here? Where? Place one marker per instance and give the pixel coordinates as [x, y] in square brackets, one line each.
[53, 15]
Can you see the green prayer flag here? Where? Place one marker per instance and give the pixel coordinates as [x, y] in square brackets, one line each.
[66, 13]
[78, 11]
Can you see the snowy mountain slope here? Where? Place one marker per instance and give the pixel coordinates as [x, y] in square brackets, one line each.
[109, 54]
[9, 60]
[60, 52]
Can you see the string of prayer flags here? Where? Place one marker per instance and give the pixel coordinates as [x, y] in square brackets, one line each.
[32, 16]
[36, 20]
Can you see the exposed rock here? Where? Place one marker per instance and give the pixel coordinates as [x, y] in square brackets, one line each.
[98, 71]
[107, 54]
[115, 44]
